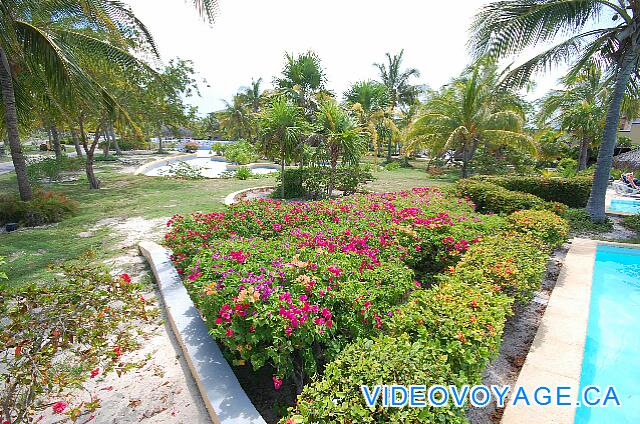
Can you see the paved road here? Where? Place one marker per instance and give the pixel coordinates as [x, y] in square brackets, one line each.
[6, 167]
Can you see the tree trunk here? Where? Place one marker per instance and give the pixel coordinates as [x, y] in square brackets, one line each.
[76, 142]
[282, 175]
[106, 144]
[94, 183]
[596, 205]
[334, 165]
[584, 153]
[389, 150]
[115, 140]
[55, 137]
[11, 121]
[465, 161]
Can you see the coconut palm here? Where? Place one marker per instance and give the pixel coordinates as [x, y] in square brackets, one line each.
[579, 109]
[370, 101]
[236, 119]
[302, 79]
[399, 89]
[283, 128]
[253, 96]
[580, 32]
[342, 136]
[471, 112]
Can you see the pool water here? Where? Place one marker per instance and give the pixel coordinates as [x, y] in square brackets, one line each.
[625, 205]
[612, 349]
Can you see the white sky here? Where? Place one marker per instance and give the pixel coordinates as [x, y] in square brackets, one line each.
[250, 37]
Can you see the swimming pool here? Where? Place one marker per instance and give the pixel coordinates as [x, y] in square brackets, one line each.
[625, 205]
[612, 348]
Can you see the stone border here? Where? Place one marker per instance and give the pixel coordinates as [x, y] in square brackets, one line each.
[555, 357]
[147, 166]
[226, 401]
[230, 199]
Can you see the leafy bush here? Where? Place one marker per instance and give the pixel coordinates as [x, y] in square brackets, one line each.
[243, 173]
[183, 170]
[293, 180]
[580, 222]
[52, 168]
[53, 338]
[632, 221]
[490, 197]
[313, 182]
[336, 398]
[573, 192]
[392, 166]
[567, 167]
[191, 146]
[45, 207]
[3, 275]
[132, 144]
[547, 226]
[241, 152]
[349, 179]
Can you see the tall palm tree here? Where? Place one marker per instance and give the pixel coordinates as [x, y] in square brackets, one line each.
[253, 96]
[606, 32]
[342, 136]
[302, 79]
[236, 119]
[471, 112]
[283, 128]
[579, 108]
[370, 101]
[397, 81]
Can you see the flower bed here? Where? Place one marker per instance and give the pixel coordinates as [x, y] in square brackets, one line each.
[291, 285]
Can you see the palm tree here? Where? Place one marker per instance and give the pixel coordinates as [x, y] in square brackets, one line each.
[42, 40]
[342, 136]
[471, 112]
[579, 109]
[302, 79]
[253, 96]
[581, 32]
[370, 101]
[400, 91]
[236, 119]
[283, 128]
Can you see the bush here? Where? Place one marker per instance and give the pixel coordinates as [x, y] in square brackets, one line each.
[243, 173]
[3, 275]
[313, 182]
[632, 222]
[241, 152]
[52, 168]
[45, 207]
[293, 184]
[392, 166]
[191, 147]
[490, 197]
[580, 222]
[56, 336]
[337, 398]
[349, 179]
[573, 192]
[132, 144]
[183, 170]
[567, 167]
[546, 226]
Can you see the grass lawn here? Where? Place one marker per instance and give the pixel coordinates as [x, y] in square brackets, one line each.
[31, 252]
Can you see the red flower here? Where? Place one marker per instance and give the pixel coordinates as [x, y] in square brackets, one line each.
[117, 350]
[125, 278]
[94, 373]
[277, 383]
[474, 303]
[59, 407]
[229, 332]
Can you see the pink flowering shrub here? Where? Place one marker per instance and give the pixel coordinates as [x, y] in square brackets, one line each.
[290, 284]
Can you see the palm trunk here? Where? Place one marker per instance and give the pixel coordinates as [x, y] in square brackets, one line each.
[11, 121]
[596, 205]
[465, 161]
[334, 165]
[282, 174]
[55, 137]
[584, 153]
[76, 142]
[94, 183]
[115, 140]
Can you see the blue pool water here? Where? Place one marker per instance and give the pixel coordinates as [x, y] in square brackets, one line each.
[625, 205]
[612, 349]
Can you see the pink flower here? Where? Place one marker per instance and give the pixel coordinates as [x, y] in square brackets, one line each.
[229, 332]
[59, 407]
[277, 227]
[277, 383]
[117, 350]
[94, 373]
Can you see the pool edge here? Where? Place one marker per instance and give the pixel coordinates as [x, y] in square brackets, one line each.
[555, 357]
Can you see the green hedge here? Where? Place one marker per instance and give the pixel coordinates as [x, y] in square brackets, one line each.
[313, 182]
[45, 207]
[443, 335]
[573, 192]
[490, 197]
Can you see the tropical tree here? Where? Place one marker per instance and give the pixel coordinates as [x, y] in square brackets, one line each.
[471, 112]
[302, 80]
[580, 32]
[370, 102]
[253, 97]
[579, 109]
[283, 128]
[342, 136]
[236, 119]
[399, 89]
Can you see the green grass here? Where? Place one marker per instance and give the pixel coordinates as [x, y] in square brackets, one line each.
[31, 252]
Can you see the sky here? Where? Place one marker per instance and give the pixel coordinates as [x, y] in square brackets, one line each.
[250, 37]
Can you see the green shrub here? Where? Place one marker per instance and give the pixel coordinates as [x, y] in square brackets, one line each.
[293, 179]
[241, 152]
[337, 397]
[545, 225]
[243, 173]
[580, 222]
[52, 168]
[392, 166]
[191, 147]
[567, 167]
[573, 192]
[45, 207]
[3, 275]
[183, 170]
[632, 221]
[132, 144]
[349, 179]
[313, 182]
[489, 197]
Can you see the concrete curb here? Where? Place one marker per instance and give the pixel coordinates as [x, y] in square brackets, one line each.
[231, 198]
[225, 400]
[147, 166]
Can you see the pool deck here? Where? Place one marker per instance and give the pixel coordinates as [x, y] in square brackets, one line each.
[555, 357]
